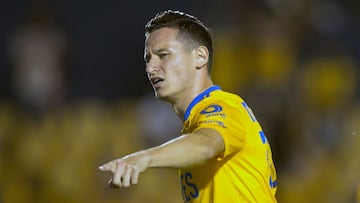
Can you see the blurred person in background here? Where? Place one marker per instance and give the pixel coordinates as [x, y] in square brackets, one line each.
[153, 130]
[37, 53]
[223, 154]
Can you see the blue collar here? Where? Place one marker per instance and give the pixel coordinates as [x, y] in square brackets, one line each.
[198, 98]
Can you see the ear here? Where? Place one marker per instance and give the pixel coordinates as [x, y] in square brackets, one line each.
[202, 57]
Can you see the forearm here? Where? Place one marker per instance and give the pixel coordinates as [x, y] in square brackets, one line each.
[186, 150]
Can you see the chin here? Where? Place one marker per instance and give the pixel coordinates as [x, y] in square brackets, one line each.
[160, 96]
[157, 94]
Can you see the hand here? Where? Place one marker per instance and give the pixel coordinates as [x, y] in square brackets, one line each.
[126, 170]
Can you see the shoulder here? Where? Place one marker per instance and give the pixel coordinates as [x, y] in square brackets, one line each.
[224, 98]
[219, 101]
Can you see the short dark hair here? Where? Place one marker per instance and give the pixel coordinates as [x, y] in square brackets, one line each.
[190, 29]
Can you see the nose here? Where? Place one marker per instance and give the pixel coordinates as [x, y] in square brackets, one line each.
[151, 66]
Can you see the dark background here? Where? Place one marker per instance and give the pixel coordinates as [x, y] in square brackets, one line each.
[296, 63]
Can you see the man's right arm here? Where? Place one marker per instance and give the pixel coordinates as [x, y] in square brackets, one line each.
[185, 151]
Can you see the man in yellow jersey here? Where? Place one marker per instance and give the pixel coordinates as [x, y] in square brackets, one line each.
[223, 155]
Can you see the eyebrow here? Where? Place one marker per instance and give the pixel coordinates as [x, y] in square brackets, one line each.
[161, 50]
[147, 55]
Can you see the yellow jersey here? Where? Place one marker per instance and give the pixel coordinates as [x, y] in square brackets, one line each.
[244, 172]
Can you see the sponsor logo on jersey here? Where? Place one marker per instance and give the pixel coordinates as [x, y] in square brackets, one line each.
[212, 109]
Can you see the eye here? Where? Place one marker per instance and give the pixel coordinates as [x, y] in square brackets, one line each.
[163, 55]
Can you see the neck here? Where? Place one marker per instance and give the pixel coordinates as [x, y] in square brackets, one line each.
[181, 103]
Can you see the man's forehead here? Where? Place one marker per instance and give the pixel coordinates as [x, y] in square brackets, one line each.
[163, 38]
[160, 35]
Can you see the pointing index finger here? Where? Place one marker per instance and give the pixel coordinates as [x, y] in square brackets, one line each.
[107, 167]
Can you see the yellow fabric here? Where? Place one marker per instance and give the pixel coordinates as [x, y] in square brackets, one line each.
[245, 171]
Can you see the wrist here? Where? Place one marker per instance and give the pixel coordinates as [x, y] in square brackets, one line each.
[145, 159]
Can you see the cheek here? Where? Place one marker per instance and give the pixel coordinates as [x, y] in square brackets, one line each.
[180, 72]
[180, 69]
[182, 65]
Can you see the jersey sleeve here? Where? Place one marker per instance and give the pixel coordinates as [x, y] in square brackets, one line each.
[226, 120]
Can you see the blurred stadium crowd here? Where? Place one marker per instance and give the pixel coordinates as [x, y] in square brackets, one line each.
[295, 62]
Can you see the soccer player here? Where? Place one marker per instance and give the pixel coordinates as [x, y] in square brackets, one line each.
[222, 154]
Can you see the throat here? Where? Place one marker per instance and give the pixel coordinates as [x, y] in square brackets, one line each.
[181, 105]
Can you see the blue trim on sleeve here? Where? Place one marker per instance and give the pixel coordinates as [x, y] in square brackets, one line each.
[263, 137]
[273, 184]
[198, 98]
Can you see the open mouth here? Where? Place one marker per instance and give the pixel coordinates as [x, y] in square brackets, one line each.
[156, 82]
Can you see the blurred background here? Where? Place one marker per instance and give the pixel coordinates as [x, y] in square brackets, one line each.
[74, 94]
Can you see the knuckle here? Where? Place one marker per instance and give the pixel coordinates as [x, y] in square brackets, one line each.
[114, 184]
